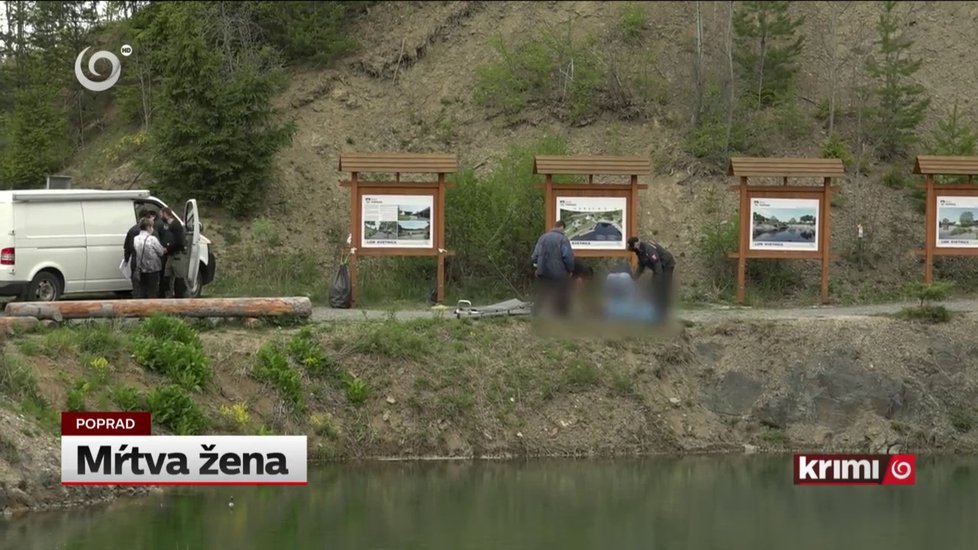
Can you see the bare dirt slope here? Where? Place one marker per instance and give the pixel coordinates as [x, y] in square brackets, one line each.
[411, 86]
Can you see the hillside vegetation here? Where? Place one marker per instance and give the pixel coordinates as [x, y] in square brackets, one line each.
[247, 106]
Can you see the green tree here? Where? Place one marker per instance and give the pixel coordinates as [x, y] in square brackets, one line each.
[35, 140]
[967, 219]
[900, 103]
[307, 31]
[767, 46]
[216, 132]
[953, 138]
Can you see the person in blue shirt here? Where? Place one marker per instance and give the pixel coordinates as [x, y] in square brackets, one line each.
[553, 263]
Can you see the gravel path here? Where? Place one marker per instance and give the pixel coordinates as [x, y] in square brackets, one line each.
[719, 313]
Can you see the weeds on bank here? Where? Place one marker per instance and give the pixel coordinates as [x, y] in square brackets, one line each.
[126, 398]
[171, 347]
[9, 452]
[306, 351]
[272, 367]
[236, 417]
[16, 377]
[962, 420]
[171, 406]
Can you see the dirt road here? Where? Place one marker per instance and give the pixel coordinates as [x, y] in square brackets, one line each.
[718, 313]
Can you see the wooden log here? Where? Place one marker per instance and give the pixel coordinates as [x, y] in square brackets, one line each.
[191, 307]
[9, 325]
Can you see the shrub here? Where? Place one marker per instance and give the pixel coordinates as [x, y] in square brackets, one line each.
[305, 351]
[236, 415]
[171, 347]
[184, 364]
[962, 420]
[927, 293]
[273, 367]
[537, 70]
[77, 394]
[896, 178]
[99, 366]
[633, 20]
[126, 398]
[161, 327]
[101, 340]
[322, 425]
[719, 236]
[708, 141]
[16, 377]
[173, 408]
[481, 210]
[357, 390]
[394, 339]
[836, 148]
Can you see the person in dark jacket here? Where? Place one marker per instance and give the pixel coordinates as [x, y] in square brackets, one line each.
[175, 270]
[654, 256]
[127, 249]
[553, 260]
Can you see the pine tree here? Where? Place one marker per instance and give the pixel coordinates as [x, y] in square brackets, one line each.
[216, 132]
[35, 139]
[953, 138]
[900, 103]
[767, 48]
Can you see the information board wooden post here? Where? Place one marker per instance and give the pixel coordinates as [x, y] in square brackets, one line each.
[591, 166]
[931, 166]
[824, 234]
[783, 168]
[930, 214]
[398, 244]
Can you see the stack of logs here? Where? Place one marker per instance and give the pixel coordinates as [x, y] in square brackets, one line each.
[26, 315]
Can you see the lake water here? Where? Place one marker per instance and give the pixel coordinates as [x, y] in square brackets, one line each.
[785, 236]
[742, 502]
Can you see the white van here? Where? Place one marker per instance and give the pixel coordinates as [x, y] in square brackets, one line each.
[60, 242]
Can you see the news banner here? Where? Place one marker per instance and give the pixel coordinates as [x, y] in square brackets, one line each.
[118, 448]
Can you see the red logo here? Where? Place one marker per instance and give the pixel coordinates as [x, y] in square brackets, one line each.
[855, 469]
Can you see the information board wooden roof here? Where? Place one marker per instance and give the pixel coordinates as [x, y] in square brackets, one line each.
[405, 163]
[785, 167]
[937, 165]
[583, 166]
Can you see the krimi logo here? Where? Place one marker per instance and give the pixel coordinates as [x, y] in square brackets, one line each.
[855, 470]
[99, 86]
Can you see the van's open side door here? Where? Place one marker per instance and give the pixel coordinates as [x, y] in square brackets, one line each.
[192, 228]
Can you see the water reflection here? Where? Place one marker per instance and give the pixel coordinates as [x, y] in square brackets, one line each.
[689, 503]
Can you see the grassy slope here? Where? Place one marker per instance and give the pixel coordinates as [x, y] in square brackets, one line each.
[429, 107]
[373, 389]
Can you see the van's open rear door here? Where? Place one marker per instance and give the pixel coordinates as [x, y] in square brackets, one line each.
[192, 228]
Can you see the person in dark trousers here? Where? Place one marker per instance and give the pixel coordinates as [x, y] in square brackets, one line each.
[127, 250]
[581, 277]
[175, 269]
[148, 254]
[553, 260]
[654, 256]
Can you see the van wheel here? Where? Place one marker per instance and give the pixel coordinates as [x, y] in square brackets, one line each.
[195, 289]
[46, 287]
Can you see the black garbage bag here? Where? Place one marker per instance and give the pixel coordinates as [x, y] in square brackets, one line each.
[340, 293]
